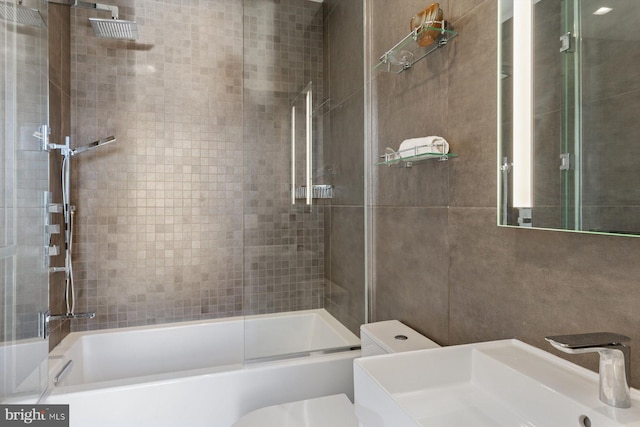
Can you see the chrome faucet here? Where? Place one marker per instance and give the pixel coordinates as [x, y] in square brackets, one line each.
[71, 316]
[614, 362]
[45, 317]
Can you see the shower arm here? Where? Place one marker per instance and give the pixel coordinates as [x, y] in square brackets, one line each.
[87, 5]
[98, 6]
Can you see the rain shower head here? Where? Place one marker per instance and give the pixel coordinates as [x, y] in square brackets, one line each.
[115, 28]
[20, 14]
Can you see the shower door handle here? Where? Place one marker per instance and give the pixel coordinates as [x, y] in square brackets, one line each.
[308, 186]
[293, 154]
[309, 140]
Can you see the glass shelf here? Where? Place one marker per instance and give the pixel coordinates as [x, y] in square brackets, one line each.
[407, 52]
[394, 159]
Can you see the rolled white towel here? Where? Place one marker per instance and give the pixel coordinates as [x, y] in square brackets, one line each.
[428, 144]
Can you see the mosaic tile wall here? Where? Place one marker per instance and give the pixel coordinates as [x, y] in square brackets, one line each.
[159, 233]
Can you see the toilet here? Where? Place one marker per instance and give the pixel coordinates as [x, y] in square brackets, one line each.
[377, 338]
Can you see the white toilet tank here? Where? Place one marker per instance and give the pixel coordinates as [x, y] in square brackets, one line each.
[391, 336]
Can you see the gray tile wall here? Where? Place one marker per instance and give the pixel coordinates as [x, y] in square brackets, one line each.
[442, 264]
[201, 152]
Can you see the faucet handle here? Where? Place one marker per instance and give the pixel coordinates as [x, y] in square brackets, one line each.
[590, 340]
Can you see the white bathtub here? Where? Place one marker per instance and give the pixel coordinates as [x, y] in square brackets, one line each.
[194, 373]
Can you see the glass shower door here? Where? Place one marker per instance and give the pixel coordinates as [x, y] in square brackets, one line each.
[283, 245]
[285, 202]
[24, 166]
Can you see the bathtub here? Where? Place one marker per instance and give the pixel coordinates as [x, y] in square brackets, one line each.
[196, 373]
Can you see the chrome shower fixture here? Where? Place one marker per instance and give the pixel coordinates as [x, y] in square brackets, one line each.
[67, 151]
[113, 28]
[20, 14]
[68, 211]
[93, 145]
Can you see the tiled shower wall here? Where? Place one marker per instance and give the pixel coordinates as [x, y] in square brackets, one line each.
[192, 197]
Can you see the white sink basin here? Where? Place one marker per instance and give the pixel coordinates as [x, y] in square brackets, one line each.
[492, 384]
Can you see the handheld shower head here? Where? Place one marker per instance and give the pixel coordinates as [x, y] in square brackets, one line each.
[93, 145]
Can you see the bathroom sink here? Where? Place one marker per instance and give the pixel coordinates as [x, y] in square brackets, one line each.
[498, 383]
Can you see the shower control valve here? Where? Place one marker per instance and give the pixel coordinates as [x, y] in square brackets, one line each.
[43, 133]
[52, 250]
[52, 229]
[55, 208]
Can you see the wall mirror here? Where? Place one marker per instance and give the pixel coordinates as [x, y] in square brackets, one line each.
[569, 129]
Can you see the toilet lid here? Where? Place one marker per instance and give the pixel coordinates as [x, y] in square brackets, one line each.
[329, 411]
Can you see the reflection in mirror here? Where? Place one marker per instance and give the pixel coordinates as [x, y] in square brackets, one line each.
[570, 90]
